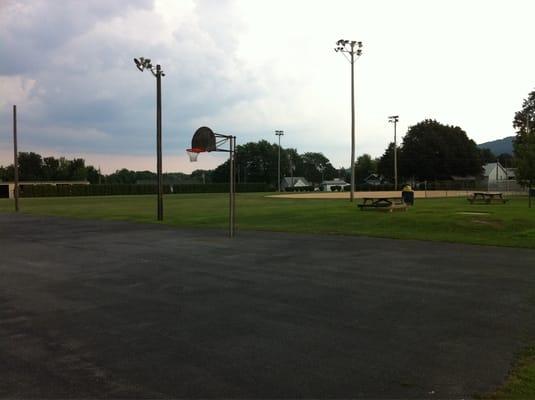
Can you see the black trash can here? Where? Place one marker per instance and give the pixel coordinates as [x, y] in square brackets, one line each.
[408, 197]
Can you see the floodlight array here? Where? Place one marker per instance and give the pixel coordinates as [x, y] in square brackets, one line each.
[143, 63]
[349, 46]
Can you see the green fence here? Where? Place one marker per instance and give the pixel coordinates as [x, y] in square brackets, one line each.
[63, 190]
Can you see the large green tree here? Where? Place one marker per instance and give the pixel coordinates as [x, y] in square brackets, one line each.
[524, 143]
[365, 166]
[93, 175]
[524, 120]
[124, 176]
[486, 156]
[257, 161]
[317, 167]
[385, 166]
[432, 150]
[30, 166]
[203, 176]
[4, 174]
[50, 168]
[506, 160]
[33, 167]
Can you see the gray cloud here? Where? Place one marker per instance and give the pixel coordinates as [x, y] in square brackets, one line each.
[86, 94]
[32, 29]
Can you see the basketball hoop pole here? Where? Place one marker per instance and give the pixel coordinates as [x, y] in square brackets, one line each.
[232, 185]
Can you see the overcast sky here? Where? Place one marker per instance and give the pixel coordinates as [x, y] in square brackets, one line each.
[252, 66]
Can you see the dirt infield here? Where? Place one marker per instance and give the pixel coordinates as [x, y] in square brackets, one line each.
[419, 194]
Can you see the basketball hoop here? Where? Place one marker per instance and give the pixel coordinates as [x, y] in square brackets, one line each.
[193, 153]
[205, 140]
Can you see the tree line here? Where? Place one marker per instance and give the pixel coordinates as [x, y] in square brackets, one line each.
[256, 163]
[429, 151]
[433, 151]
[34, 167]
[524, 142]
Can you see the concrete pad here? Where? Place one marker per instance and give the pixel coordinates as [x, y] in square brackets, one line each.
[111, 309]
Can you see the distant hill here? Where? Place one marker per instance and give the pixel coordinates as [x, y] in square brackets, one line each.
[499, 146]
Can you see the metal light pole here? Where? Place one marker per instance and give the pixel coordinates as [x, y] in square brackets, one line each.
[291, 170]
[395, 119]
[142, 64]
[279, 134]
[321, 168]
[530, 181]
[353, 48]
[15, 161]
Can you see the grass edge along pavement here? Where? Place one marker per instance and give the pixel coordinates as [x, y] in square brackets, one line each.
[442, 219]
[520, 383]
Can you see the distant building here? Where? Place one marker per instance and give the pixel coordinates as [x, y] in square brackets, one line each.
[373, 179]
[511, 173]
[494, 172]
[327, 186]
[468, 178]
[296, 181]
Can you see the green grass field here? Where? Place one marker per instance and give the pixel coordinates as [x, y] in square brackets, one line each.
[450, 220]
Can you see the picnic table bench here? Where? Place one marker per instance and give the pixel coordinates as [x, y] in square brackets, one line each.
[387, 204]
[486, 197]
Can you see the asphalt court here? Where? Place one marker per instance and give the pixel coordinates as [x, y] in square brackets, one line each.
[123, 310]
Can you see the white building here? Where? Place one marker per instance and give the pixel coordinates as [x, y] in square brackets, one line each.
[494, 172]
[294, 182]
[327, 186]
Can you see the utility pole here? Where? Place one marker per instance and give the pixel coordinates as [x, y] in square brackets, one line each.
[15, 160]
[352, 48]
[142, 64]
[279, 134]
[394, 119]
[159, 140]
[530, 181]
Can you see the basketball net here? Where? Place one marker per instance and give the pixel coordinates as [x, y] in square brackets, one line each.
[193, 154]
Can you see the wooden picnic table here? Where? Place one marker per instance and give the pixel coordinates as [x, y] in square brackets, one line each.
[382, 203]
[486, 197]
